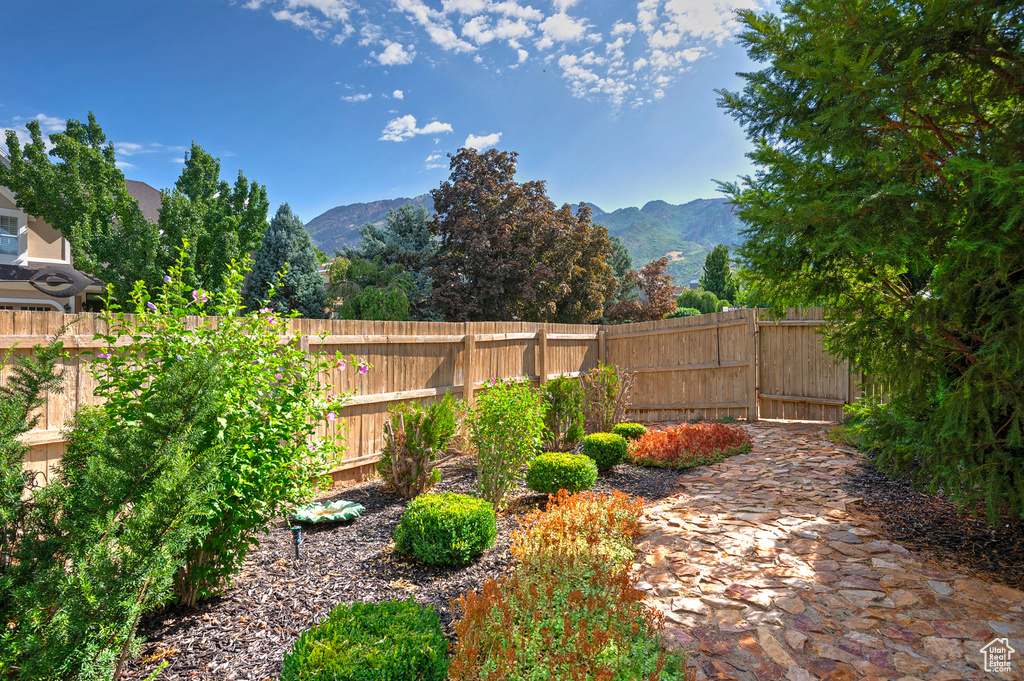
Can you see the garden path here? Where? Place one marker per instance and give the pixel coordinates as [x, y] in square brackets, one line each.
[764, 570]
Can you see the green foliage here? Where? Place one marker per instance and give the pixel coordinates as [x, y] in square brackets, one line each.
[84, 196]
[606, 394]
[388, 276]
[416, 437]
[508, 254]
[218, 223]
[717, 277]
[657, 297]
[890, 189]
[630, 431]
[446, 529]
[705, 301]
[553, 471]
[563, 421]
[286, 270]
[507, 428]
[684, 312]
[389, 641]
[266, 410]
[606, 449]
[103, 539]
[366, 289]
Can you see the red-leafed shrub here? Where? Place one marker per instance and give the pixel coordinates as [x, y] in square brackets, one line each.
[689, 445]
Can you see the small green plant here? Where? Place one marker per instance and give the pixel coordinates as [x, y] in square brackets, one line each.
[564, 419]
[415, 440]
[507, 428]
[551, 472]
[606, 449]
[684, 312]
[607, 393]
[446, 529]
[630, 431]
[389, 641]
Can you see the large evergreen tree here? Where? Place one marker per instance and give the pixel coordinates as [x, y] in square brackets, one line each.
[891, 189]
[507, 253]
[287, 247]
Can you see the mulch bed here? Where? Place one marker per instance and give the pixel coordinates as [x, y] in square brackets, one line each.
[931, 525]
[245, 633]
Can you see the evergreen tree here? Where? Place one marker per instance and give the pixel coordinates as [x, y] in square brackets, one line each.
[717, 277]
[890, 189]
[288, 248]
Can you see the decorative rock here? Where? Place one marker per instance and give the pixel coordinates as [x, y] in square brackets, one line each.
[947, 630]
[771, 646]
[693, 605]
[676, 637]
[723, 671]
[906, 663]
[942, 648]
[794, 606]
[730, 621]
[901, 634]
[821, 668]
[748, 594]
[798, 674]
[795, 639]
[713, 644]
[902, 598]
[940, 588]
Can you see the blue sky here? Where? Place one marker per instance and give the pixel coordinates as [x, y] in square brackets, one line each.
[329, 102]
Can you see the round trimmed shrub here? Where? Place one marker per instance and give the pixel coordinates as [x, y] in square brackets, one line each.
[554, 471]
[606, 449]
[389, 641]
[446, 529]
[630, 431]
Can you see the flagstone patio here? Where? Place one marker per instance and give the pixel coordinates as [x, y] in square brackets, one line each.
[764, 570]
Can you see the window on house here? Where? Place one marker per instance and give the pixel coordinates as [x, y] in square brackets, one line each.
[8, 235]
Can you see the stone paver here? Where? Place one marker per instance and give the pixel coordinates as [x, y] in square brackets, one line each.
[763, 573]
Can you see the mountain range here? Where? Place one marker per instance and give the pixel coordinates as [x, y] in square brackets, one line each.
[685, 233]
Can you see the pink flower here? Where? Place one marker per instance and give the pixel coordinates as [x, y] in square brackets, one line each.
[278, 376]
[104, 355]
[341, 366]
[363, 368]
[199, 295]
[151, 306]
[167, 279]
[331, 416]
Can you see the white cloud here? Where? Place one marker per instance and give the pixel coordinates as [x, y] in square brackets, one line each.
[523, 54]
[623, 28]
[404, 127]
[562, 5]
[304, 20]
[124, 165]
[435, 23]
[370, 34]
[512, 9]
[560, 28]
[398, 94]
[394, 54]
[481, 142]
[470, 7]
[362, 97]
[435, 161]
[478, 30]
[334, 10]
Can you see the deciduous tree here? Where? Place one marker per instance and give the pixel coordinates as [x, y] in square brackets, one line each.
[507, 253]
[891, 189]
[657, 295]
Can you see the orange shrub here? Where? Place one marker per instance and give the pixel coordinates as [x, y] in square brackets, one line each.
[688, 445]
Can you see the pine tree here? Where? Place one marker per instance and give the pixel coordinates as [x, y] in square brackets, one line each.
[288, 248]
[717, 277]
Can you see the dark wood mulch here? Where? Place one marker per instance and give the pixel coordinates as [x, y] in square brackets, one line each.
[245, 633]
[931, 524]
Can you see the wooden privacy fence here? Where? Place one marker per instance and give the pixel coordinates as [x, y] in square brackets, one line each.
[711, 366]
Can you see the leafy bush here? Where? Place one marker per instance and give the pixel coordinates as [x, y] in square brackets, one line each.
[389, 641]
[630, 431]
[606, 394]
[688, 446]
[446, 529]
[551, 472]
[507, 427]
[606, 449]
[415, 439]
[565, 612]
[704, 301]
[564, 418]
[685, 312]
[600, 527]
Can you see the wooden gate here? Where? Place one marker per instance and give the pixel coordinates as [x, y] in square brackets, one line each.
[797, 377]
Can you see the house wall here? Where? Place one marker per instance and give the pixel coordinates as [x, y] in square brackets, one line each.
[44, 242]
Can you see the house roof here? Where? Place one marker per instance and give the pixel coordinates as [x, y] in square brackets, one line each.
[149, 199]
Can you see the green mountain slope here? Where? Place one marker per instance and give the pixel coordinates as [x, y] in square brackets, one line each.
[685, 233]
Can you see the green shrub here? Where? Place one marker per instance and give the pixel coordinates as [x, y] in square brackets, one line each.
[630, 431]
[606, 449]
[704, 301]
[564, 419]
[390, 641]
[415, 440]
[554, 471]
[606, 394]
[507, 428]
[446, 529]
[685, 312]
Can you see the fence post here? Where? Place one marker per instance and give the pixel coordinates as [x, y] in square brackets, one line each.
[752, 373]
[602, 352]
[542, 355]
[468, 375]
